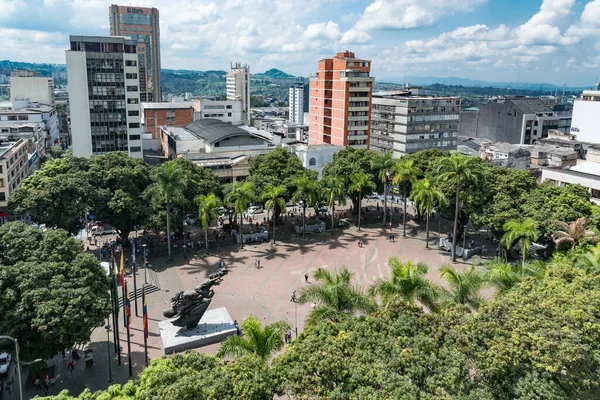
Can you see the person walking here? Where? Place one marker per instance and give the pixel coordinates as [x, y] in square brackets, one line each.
[306, 278]
[293, 298]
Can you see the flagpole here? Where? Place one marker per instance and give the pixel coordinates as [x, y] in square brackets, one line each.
[134, 279]
[127, 324]
[115, 296]
[112, 301]
[145, 324]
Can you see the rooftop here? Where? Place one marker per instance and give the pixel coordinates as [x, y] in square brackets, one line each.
[212, 131]
[588, 167]
[166, 106]
[529, 105]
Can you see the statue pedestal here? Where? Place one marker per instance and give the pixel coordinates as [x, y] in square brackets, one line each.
[214, 326]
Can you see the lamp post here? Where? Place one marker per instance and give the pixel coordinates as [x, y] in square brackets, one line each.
[18, 363]
[144, 247]
[296, 316]
[108, 330]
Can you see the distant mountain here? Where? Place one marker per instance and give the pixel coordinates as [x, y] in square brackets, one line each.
[276, 74]
[454, 81]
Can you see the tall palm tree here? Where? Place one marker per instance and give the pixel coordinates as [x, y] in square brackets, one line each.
[208, 209]
[307, 191]
[407, 282]
[335, 296]
[360, 182]
[574, 232]
[274, 197]
[524, 232]
[335, 189]
[504, 276]
[384, 164]
[464, 286]
[241, 195]
[256, 340]
[425, 194]
[406, 173]
[170, 180]
[459, 171]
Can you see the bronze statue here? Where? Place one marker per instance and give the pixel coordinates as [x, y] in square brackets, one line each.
[190, 305]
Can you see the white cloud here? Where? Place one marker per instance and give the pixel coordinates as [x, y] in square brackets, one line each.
[354, 36]
[329, 30]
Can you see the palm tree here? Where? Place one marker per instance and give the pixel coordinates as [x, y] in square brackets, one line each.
[504, 276]
[573, 233]
[360, 182]
[170, 180]
[425, 194]
[459, 171]
[335, 296]
[524, 232]
[464, 286]
[335, 188]
[307, 191]
[383, 164]
[241, 195]
[406, 173]
[273, 197]
[208, 209]
[256, 340]
[591, 261]
[407, 282]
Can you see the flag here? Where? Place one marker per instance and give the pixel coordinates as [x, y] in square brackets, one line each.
[145, 308]
[122, 271]
[115, 293]
[127, 308]
[133, 252]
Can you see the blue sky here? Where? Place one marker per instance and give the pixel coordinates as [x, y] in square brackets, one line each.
[555, 41]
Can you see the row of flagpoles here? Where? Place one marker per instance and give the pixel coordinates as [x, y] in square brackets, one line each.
[118, 279]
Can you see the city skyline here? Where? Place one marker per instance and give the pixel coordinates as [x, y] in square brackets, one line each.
[554, 41]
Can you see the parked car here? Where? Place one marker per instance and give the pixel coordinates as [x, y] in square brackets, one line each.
[4, 363]
[100, 230]
[255, 210]
[373, 196]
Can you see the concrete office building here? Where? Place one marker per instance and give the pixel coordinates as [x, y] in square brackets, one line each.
[13, 170]
[230, 111]
[30, 85]
[517, 120]
[155, 115]
[24, 110]
[340, 102]
[296, 103]
[104, 95]
[238, 88]
[404, 124]
[142, 25]
[586, 110]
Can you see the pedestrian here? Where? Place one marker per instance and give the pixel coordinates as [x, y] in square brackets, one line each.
[70, 366]
[258, 263]
[255, 263]
[293, 298]
[289, 335]
[306, 278]
[237, 327]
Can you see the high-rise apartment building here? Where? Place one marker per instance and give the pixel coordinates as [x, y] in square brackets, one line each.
[296, 103]
[340, 101]
[404, 123]
[142, 25]
[238, 87]
[585, 116]
[104, 95]
[30, 85]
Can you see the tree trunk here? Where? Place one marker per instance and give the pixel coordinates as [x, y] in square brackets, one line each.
[332, 214]
[241, 230]
[427, 232]
[169, 230]
[359, 206]
[206, 239]
[124, 235]
[274, 221]
[523, 254]
[404, 213]
[384, 202]
[456, 211]
[303, 220]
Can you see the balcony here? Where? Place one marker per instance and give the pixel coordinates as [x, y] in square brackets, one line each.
[357, 146]
[358, 118]
[359, 108]
[357, 78]
[358, 127]
[359, 88]
[357, 137]
[359, 99]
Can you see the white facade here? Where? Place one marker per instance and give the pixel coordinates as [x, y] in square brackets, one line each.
[586, 174]
[23, 110]
[230, 111]
[35, 88]
[296, 104]
[109, 118]
[13, 168]
[585, 117]
[315, 157]
[238, 88]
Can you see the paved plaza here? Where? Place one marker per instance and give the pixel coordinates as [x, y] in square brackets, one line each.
[246, 291]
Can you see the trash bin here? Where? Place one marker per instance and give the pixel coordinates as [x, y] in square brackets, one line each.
[89, 357]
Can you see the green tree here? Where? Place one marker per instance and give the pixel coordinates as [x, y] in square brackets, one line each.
[53, 294]
[335, 297]
[573, 233]
[257, 340]
[425, 195]
[359, 182]
[335, 189]
[383, 165]
[240, 196]
[307, 193]
[461, 172]
[170, 181]
[464, 286]
[524, 232]
[405, 174]
[274, 198]
[408, 283]
[208, 209]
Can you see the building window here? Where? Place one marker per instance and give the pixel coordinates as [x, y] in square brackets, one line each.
[312, 161]
[23, 118]
[131, 63]
[131, 75]
[132, 101]
[134, 125]
[135, 149]
[134, 137]
[2, 196]
[132, 88]
[133, 113]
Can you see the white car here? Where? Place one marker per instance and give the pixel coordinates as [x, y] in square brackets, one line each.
[255, 210]
[4, 363]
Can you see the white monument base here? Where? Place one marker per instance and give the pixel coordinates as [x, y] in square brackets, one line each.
[214, 326]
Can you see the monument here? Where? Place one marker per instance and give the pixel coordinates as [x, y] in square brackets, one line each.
[191, 324]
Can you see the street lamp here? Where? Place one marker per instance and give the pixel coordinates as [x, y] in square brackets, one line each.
[108, 330]
[18, 362]
[144, 247]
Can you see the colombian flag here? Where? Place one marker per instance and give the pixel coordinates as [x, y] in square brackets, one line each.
[127, 308]
[145, 312]
[122, 270]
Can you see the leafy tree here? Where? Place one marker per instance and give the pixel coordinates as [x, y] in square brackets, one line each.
[383, 165]
[360, 182]
[170, 181]
[307, 192]
[426, 160]
[406, 174]
[505, 277]
[464, 286]
[524, 232]
[208, 209]
[274, 198]
[240, 196]
[425, 194]
[408, 283]
[335, 296]
[53, 294]
[257, 340]
[573, 233]
[461, 172]
[335, 189]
